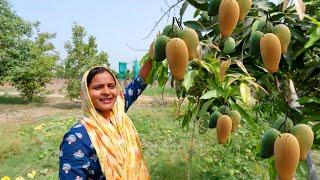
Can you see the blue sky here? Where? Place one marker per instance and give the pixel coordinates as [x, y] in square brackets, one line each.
[115, 24]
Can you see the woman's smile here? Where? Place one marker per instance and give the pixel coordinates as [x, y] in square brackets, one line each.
[103, 92]
[106, 100]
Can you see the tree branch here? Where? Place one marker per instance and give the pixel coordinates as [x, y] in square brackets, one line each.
[156, 24]
[135, 48]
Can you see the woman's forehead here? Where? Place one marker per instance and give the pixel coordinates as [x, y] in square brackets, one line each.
[104, 77]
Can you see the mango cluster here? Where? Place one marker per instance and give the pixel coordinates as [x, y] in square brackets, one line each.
[178, 47]
[265, 40]
[229, 12]
[269, 42]
[225, 122]
[288, 144]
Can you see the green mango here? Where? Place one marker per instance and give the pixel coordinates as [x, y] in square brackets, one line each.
[213, 119]
[267, 142]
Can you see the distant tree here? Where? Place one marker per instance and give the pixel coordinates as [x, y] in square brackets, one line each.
[14, 40]
[29, 77]
[59, 70]
[81, 56]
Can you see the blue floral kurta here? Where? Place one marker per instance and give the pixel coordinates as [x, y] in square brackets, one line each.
[78, 158]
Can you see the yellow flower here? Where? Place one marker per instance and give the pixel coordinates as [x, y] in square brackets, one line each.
[19, 178]
[5, 178]
[32, 174]
[38, 127]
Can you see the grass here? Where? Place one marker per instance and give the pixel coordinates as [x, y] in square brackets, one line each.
[34, 146]
[167, 151]
[9, 99]
[15, 99]
[157, 91]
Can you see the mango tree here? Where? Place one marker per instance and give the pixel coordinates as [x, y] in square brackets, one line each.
[14, 35]
[22, 52]
[255, 58]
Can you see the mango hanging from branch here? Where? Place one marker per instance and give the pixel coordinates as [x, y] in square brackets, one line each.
[228, 16]
[245, 6]
[177, 56]
[305, 136]
[191, 38]
[160, 47]
[267, 142]
[270, 48]
[254, 42]
[236, 118]
[284, 35]
[171, 31]
[224, 126]
[286, 155]
[229, 45]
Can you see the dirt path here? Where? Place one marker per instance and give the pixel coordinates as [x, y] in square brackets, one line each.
[57, 105]
[31, 112]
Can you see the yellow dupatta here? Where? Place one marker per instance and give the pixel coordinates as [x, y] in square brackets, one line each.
[116, 142]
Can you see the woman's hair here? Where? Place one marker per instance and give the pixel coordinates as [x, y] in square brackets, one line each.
[97, 70]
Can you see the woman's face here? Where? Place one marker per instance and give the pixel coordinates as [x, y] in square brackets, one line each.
[103, 91]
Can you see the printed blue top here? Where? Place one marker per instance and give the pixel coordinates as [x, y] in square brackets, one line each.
[78, 158]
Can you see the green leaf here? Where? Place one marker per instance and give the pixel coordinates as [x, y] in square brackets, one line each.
[313, 20]
[314, 37]
[214, 69]
[307, 100]
[183, 8]
[209, 95]
[194, 25]
[199, 5]
[285, 4]
[151, 76]
[205, 65]
[186, 119]
[179, 88]
[316, 128]
[204, 108]
[298, 35]
[191, 99]
[245, 94]
[196, 13]
[189, 79]
[263, 5]
[191, 115]
[315, 117]
[218, 88]
[203, 123]
[245, 115]
[144, 59]
[163, 73]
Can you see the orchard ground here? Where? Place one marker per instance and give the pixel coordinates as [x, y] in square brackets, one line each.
[31, 134]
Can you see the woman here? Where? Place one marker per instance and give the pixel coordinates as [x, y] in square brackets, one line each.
[104, 144]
